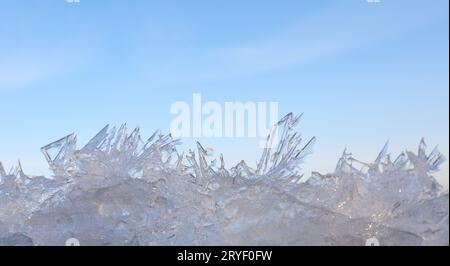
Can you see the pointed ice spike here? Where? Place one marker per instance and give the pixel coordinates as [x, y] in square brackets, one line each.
[222, 171]
[222, 162]
[194, 165]
[202, 154]
[242, 170]
[179, 162]
[150, 140]
[95, 142]
[120, 137]
[18, 171]
[344, 164]
[106, 144]
[133, 141]
[433, 154]
[434, 166]
[285, 118]
[11, 170]
[435, 159]
[55, 150]
[382, 153]
[284, 138]
[2, 170]
[294, 121]
[200, 148]
[263, 161]
[307, 149]
[421, 153]
[157, 132]
[286, 159]
[401, 161]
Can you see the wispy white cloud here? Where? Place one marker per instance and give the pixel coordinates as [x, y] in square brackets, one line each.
[22, 68]
[339, 29]
[21, 72]
[27, 59]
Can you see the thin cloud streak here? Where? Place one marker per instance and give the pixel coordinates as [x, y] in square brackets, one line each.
[312, 39]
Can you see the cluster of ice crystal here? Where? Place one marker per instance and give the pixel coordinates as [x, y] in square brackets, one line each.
[121, 190]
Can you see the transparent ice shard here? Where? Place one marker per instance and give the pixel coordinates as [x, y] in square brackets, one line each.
[383, 153]
[401, 161]
[287, 157]
[2, 170]
[347, 165]
[387, 193]
[281, 159]
[60, 156]
[96, 142]
[122, 190]
[18, 172]
[242, 170]
[435, 159]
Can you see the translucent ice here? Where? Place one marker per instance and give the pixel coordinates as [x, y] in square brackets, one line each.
[2, 170]
[121, 190]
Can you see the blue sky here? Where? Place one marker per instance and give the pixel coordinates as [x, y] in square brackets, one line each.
[362, 73]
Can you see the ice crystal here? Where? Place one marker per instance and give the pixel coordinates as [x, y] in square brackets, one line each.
[121, 190]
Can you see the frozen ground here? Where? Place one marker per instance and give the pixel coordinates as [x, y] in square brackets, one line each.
[121, 190]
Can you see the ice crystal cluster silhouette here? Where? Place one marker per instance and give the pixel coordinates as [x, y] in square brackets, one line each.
[121, 190]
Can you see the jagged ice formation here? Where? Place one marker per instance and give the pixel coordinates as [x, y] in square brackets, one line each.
[121, 190]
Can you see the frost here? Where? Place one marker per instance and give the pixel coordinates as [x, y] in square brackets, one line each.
[121, 190]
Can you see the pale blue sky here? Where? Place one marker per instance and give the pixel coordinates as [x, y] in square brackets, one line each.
[361, 72]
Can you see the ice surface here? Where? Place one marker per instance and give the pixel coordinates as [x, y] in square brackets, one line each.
[121, 190]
